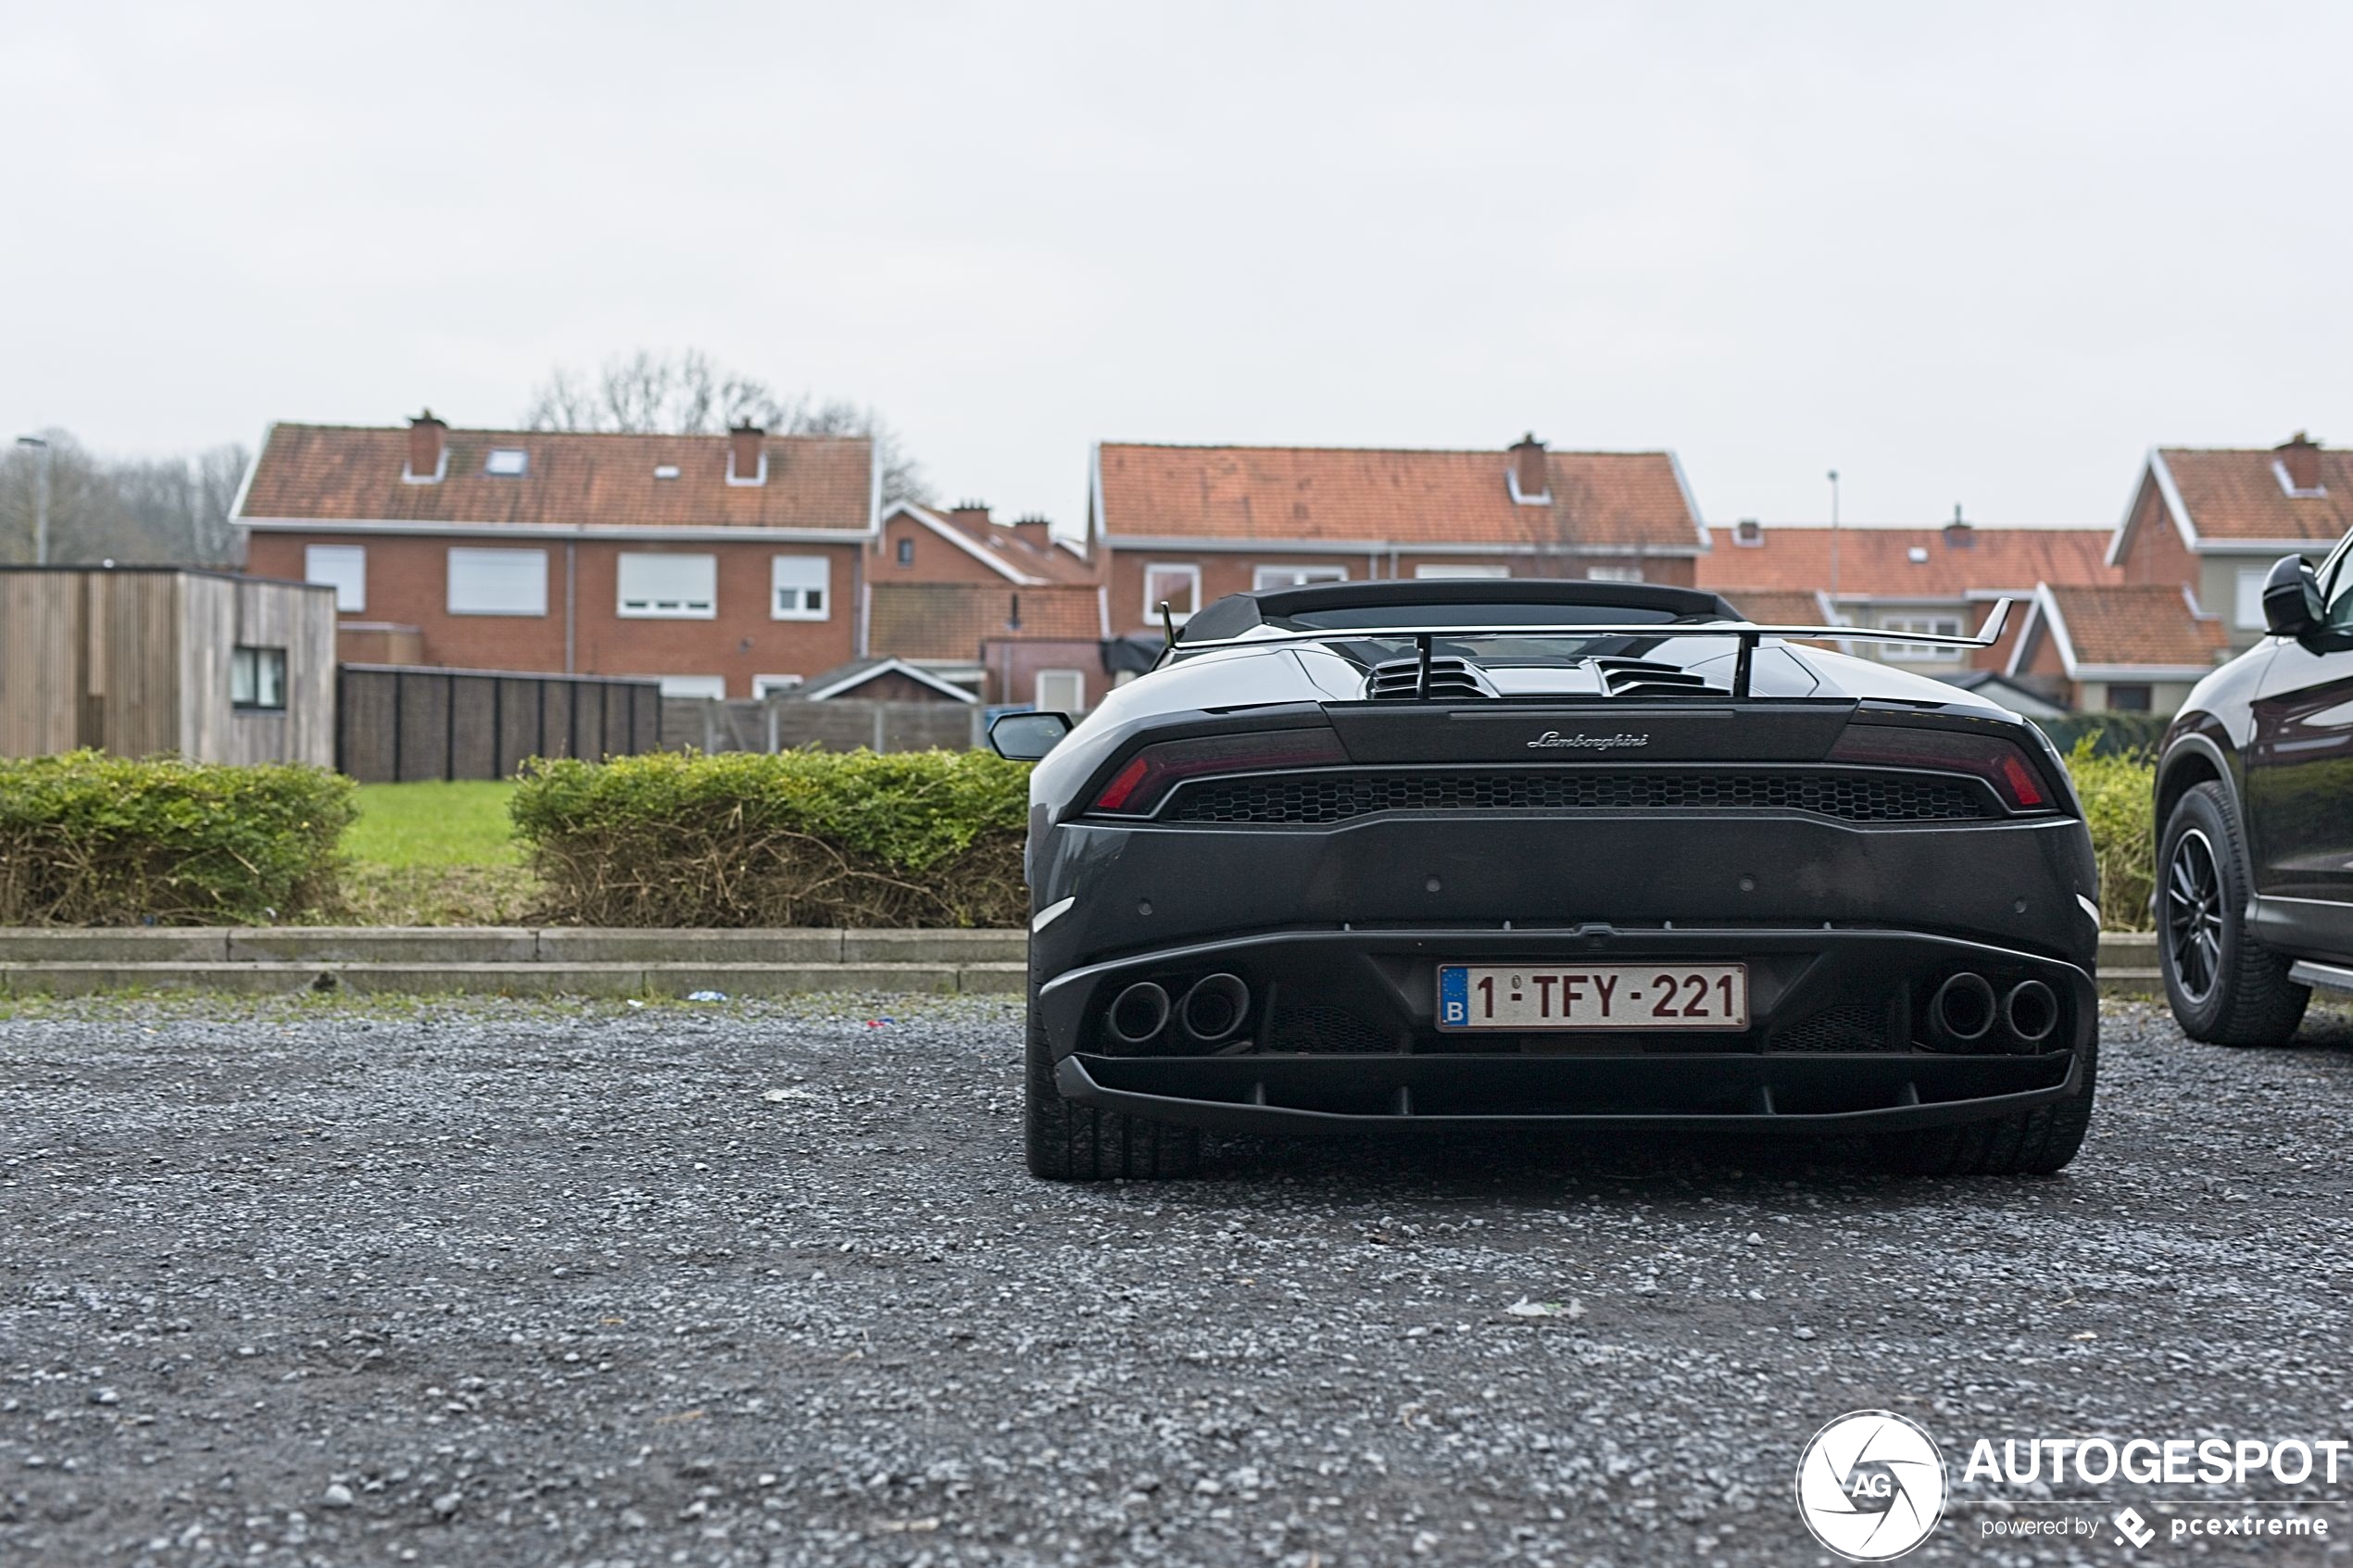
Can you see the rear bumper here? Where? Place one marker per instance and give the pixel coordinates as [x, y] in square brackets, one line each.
[1388, 1066]
[1811, 1096]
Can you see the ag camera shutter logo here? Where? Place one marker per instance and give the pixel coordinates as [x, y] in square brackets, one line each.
[1871, 1485]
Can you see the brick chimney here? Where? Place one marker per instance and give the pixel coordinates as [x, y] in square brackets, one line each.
[1959, 534]
[1033, 531]
[971, 514]
[1531, 486]
[744, 455]
[2300, 458]
[426, 436]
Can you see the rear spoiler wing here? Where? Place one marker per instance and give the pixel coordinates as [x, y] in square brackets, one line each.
[1748, 633]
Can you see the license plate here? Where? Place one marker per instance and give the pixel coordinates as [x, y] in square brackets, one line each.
[1606, 995]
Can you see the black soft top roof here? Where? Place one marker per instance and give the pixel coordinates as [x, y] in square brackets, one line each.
[1237, 613]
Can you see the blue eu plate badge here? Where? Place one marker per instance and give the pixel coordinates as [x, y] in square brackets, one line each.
[1453, 995]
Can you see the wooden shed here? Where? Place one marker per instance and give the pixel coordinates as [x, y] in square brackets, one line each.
[215, 666]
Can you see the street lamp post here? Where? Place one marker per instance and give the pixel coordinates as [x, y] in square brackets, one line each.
[1833, 541]
[40, 500]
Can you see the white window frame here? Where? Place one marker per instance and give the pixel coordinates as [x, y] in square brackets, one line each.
[2247, 612]
[343, 568]
[1077, 679]
[1446, 571]
[1180, 613]
[531, 565]
[693, 685]
[1295, 576]
[692, 593]
[506, 462]
[1922, 653]
[784, 576]
[1613, 574]
[773, 686]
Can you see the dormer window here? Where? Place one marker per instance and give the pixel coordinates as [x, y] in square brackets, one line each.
[506, 462]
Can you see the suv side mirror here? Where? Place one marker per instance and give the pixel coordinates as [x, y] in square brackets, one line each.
[1024, 737]
[2291, 598]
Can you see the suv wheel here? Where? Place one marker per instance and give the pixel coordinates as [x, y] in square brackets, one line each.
[2225, 987]
[1067, 1142]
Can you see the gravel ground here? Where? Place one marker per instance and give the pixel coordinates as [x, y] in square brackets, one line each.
[478, 1284]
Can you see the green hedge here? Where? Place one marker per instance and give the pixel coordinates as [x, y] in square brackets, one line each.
[800, 838]
[90, 839]
[2111, 734]
[2120, 808]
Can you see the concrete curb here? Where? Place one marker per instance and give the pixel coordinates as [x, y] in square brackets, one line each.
[512, 979]
[493, 944]
[508, 961]
[571, 960]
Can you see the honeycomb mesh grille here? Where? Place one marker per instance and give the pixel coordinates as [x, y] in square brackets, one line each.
[1849, 1026]
[1325, 1030]
[1336, 795]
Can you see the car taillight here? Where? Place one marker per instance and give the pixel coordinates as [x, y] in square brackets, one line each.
[1145, 780]
[1997, 761]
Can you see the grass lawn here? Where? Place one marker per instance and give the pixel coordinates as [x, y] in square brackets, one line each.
[435, 854]
[433, 824]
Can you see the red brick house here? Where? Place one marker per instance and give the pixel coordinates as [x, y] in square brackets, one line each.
[1002, 641]
[1942, 581]
[1187, 524]
[718, 563]
[1005, 610]
[2215, 518]
[964, 544]
[2121, 647]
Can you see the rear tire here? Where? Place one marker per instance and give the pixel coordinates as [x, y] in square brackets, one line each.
[2226, 987]
[2027, 1143]
[1068, 1142]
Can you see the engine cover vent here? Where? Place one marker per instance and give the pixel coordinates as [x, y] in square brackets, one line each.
[1642, 677]
[1451, 680]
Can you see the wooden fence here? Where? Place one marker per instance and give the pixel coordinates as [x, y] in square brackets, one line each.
[395, 723]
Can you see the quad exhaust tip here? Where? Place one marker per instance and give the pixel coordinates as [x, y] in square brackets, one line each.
[1214, 1009]
[2030, 1011]
[1139, 1013]
[1963, 1007]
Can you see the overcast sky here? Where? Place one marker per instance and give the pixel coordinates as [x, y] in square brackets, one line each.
[1986, 255]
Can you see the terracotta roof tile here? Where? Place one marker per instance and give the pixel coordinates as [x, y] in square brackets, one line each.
[1877, 562]
[2233, 493]
[1054, 563]
[2150, 624]
[951, 620]
[571, 480]
[1776, 607]
[1626, 500]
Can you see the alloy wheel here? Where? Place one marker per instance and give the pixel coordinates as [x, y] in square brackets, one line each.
[2194, 914]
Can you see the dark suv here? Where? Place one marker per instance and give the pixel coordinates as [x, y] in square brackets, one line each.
[2255, 808]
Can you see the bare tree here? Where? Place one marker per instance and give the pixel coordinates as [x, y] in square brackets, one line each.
[686, 392]
[163, 512]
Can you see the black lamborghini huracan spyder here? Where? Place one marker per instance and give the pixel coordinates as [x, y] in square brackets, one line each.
[1512, 853]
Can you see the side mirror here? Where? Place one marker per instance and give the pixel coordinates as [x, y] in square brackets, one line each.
[2291, 598]
[1024, 737]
